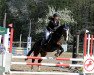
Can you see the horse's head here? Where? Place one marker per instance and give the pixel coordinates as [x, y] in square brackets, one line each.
[64, 30]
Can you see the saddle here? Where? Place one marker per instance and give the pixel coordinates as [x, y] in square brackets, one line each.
[44, 41]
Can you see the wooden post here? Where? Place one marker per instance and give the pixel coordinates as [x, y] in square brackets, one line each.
[74, 55]
[77, 48]
[4, 21]
[20, 40]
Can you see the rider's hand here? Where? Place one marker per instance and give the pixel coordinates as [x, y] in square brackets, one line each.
[52, 32]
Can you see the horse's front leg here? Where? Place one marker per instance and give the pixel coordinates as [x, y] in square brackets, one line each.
[60, 50]
[57, 54]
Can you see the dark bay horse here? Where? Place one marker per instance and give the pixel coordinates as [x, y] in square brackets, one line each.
[54, 43]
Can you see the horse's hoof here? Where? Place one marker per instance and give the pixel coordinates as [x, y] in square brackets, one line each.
[31, 67]
[60, 53]
[56, 55]
[26, 59]
[39, 68]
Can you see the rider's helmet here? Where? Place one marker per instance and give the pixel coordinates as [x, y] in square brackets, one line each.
[56, 15]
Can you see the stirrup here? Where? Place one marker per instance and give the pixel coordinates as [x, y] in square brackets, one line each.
[45, 44]
[42, 42]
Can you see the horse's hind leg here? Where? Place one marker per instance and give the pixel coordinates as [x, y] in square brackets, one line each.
[29, 53]
[33, 60]
[43, 54]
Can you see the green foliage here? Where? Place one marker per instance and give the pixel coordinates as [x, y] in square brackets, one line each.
[20, 12]
[59, 4]
[2, 10]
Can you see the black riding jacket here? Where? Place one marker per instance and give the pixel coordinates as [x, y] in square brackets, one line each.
[52, 25]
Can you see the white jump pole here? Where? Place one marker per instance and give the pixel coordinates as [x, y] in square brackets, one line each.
[5, 43]
[0, 38]
[88, 47]
[46, 64]
[46, 58]
[8, 52]
[43, 73]
[6, 40]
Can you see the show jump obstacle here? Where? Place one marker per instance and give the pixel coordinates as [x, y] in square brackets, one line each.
[88, 54]
[88, 60]
[5, 35]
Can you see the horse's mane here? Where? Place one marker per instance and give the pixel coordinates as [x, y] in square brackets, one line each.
[50, 18]
[60, 29]
[58, 33]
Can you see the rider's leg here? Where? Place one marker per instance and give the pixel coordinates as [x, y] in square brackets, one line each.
[47, 36]
[60, 50]
[47, 33]
[43, 38]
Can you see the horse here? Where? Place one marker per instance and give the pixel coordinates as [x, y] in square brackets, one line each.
[54, 44]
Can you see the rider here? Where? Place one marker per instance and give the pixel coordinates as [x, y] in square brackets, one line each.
[52, 25]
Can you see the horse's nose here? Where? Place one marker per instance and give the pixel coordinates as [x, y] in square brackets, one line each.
[67, 33]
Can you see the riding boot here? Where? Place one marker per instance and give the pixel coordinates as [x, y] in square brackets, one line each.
[43, 42]
[47, 41]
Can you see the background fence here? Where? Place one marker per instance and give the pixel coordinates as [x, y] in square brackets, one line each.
[17, 50]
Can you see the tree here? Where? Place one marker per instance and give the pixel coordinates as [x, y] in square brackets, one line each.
[3, 9]
[25, 11]
[22, 11]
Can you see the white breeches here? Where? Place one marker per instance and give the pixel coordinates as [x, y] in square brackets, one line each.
[47, 34]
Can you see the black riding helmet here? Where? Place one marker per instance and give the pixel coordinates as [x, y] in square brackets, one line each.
[56, 15]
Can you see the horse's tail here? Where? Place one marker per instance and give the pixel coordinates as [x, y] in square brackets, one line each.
[29, 53]
[34, 47]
